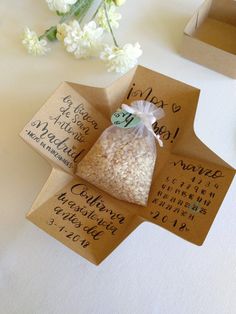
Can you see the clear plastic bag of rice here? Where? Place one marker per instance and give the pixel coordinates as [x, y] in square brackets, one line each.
[122, 160]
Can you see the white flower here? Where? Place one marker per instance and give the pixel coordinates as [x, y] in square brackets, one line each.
[61, 31]
[83, 42]
[33, 44]
[122, 59]
[62, 6]
[119, 2]
[113, 16]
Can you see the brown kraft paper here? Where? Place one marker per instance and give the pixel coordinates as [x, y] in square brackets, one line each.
[189, 182]
[209, 36]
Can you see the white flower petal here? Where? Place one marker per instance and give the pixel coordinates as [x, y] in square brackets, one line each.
[119, 2]
[61, 31]
[113, 16]
[121, 60]
[83, 42]
[33, 44]
[62, 6]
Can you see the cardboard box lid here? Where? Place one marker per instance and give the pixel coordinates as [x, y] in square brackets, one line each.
[223, 10]
[209, 36]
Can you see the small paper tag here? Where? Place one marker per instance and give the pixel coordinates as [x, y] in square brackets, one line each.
[124, 120]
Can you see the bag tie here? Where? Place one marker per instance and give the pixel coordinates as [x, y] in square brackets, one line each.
[147, 118]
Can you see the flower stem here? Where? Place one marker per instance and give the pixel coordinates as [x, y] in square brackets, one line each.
[84, 9]
[73, 11]
[109, 24]
[96, 12]
[50, 33]
[79, 9]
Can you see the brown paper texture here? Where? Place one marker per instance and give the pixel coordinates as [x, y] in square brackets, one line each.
[209, 37]
[189, 182]
[89, 222]
[64, 128]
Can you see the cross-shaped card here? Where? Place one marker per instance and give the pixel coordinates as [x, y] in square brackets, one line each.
[189, 181]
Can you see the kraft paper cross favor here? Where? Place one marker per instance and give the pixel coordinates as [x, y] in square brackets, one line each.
[189, 183]
[209, 36]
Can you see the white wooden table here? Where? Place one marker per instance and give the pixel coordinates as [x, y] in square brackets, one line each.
[153, 271]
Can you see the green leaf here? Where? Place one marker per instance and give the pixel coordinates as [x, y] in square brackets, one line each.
[83, 9]
[60, 13]
[51, 33]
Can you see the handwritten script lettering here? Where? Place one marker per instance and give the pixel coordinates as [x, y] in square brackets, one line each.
[95, 201]
[65, 131]
[211, 173]
[60, 144]
[147, 95]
